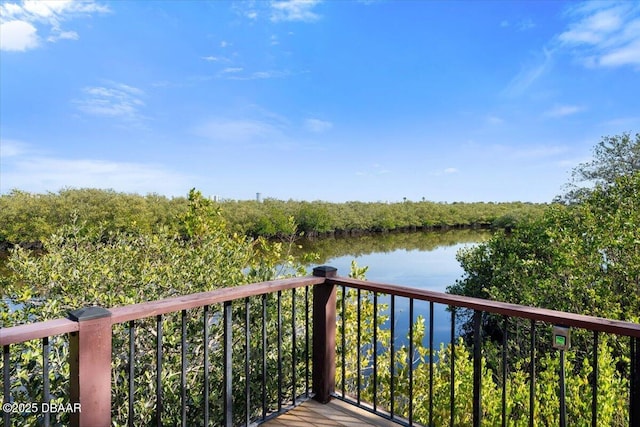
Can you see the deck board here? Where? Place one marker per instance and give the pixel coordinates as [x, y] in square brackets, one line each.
[334, 413]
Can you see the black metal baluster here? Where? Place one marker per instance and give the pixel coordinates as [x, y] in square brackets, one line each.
[344, 340]
[430, 363]
[306, 341]
[410, 361]
[247, 360]
[505, 344]
[264, 356]
[132, 364]
[205, 339]
[228, 364]
[293, 346]
[532, 373]
[279, 351]
[6, 376]
[159, 370]
[183, 369]
[452, 397]
[392, 364]
[594, 384]
[358, 326]
[634, 382]
[46, 393]
[375, 351]
[477, 368]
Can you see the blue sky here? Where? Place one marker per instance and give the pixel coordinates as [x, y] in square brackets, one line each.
[313, 100]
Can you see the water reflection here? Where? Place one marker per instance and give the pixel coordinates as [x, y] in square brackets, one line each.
[422, 260]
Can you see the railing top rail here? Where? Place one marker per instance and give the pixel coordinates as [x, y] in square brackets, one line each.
[593, 323]
[34, 331]
[186, 302]
[31, 331]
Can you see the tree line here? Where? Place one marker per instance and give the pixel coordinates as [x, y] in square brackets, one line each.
[27, 217]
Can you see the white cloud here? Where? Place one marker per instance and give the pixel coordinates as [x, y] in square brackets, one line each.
[21, 22]
[115, 100]
[604, 34]
[18, 36]
[563, 111]
[451, 170]
[317, 125]
[50, 174]
[11, 148]
[294, 10]
[241, 130]
[23, 168]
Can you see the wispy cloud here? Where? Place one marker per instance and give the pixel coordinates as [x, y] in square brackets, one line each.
[27, 170]
[294, 10]
[115, 100]
[317, 125]
[11, 148]
[21, 22]
[563, 111]
[598, 34]
[604, 34]
[373, 170]
[238, 130]
[530, 73]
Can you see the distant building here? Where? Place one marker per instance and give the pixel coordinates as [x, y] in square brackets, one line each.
[259, 197]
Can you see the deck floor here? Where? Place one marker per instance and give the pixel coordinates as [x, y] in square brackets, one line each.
[334, 413]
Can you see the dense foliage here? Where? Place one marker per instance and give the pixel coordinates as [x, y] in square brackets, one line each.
[613, 156]
[120, 269]
[433, 382]
[26, 217]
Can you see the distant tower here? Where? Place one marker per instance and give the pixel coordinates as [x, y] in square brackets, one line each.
[259, 197]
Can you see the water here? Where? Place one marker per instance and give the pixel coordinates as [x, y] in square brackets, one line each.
[421, 260]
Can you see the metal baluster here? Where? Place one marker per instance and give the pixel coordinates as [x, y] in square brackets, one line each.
[293, 346]
[410, 361]
[205, 339]
[634, 382]
[505, 343]
[306, 341]
[279, 351]
[532, 373]
[264, 356]
[594, 384]
[132, 349]
[375, 352]
[6, 375]
[228, 364]
[344, 340]
[247, 360]
[159, 370]
[358, 367]
[477, 368]
[45, 379]
[430, 363]
[392, 365]
[452, 397]
[183, 369]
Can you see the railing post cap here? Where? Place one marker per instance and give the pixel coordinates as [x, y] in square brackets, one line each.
[89, 313]
[325, 271]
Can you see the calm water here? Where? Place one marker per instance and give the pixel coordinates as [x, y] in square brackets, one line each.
[422, 260]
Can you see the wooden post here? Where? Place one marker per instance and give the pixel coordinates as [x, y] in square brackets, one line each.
[90, 366]
[324, 336]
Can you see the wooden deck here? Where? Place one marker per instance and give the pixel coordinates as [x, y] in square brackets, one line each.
[334, 413]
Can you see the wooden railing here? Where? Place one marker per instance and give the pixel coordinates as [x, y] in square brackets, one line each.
[90, 349]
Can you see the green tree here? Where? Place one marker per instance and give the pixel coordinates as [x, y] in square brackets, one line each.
[613, 156]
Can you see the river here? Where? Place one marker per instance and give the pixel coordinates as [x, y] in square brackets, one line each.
[425, 260]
